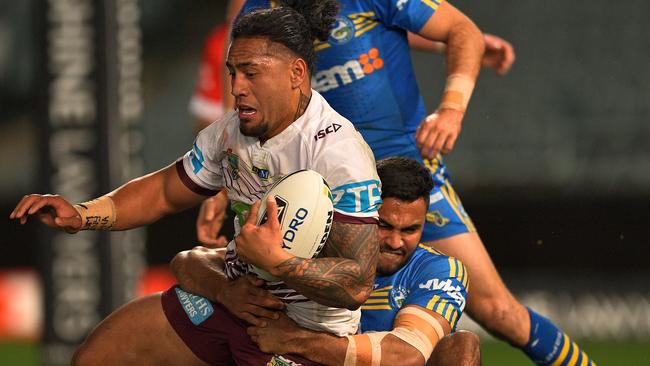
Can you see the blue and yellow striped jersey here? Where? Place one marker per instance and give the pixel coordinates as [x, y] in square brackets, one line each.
[429, 279]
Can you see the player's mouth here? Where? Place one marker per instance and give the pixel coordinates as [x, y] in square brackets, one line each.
[389, 253]
[245, 111]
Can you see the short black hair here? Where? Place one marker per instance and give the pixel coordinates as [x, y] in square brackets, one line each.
[404, 179]
[296, 24]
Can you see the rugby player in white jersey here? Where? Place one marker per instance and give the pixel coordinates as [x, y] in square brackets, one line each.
[275, 131]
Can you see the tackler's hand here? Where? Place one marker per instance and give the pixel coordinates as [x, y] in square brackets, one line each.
[247, 300]
[211, 217]
[277, 335]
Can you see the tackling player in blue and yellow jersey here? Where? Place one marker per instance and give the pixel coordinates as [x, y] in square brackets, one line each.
[419, 292]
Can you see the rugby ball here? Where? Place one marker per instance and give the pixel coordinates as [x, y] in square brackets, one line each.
[305, 213]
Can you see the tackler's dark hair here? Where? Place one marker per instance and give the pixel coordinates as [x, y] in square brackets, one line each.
[296, 24]
[404, 179]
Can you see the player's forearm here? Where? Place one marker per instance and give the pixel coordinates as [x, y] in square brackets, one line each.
[463, 62]
[465, 49]
[417, 42]
[144, 200]
[136, 204]
[336, 282]
[200, 271]
[395, 351]
[343, 276]
[322, 348]
[330, 350]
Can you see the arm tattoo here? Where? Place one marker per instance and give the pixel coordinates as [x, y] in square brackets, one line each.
[343, 274]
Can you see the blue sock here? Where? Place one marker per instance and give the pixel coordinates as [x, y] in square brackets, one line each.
[548, 345]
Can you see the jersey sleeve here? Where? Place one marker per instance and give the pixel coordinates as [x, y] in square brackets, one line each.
[207, 101]
[352, 177]
[440, 284]
[200, 168]
[409, 15]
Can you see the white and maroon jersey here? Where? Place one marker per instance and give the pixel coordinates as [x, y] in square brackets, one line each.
[207, 101]
[320, 140]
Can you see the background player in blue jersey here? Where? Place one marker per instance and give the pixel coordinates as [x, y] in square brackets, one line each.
[418, 297]
[365, 73]
[499, 55]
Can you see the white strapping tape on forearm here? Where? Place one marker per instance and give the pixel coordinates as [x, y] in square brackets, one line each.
[351, 352]
[364, 349]
[375, 344]
[419, 329]
[458, 91]
[416, 339]
[98, 214]
[412, 325]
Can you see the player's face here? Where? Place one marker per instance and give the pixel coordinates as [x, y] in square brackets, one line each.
[400, 229]
[261, 85]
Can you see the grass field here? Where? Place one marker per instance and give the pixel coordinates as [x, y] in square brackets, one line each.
[494, 354]
[604, 353]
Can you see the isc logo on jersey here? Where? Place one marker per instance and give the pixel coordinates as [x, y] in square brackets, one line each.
[326, 131]
[362, 197]
[350, 71]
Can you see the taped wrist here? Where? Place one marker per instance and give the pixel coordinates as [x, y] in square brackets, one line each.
[458, 91]
[98, 214]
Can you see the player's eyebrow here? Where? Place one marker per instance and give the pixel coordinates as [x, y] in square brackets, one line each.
[242, 64]
[384, 222]
[390, 225]
[412, 227]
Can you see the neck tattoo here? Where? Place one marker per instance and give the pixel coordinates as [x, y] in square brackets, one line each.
[302, 105]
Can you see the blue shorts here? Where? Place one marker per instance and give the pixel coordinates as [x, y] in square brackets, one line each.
[446, 216]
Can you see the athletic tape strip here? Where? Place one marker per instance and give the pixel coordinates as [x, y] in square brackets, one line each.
[416, 339]
[412, 325]
[419, 329]
[364, 349]
[98, 214]
[375, 343]
[351, 352]
[458, 91]
[421, 315]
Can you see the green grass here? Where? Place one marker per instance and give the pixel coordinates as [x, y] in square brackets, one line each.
[19, 354]
[633, 353]
[494, 354]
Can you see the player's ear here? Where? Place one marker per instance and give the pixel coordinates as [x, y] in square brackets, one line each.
[299, 71]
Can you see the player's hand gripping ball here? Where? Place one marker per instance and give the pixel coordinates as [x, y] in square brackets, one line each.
[305, 212]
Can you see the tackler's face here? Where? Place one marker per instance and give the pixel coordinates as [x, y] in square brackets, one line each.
[261, 84]
[400, 229]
